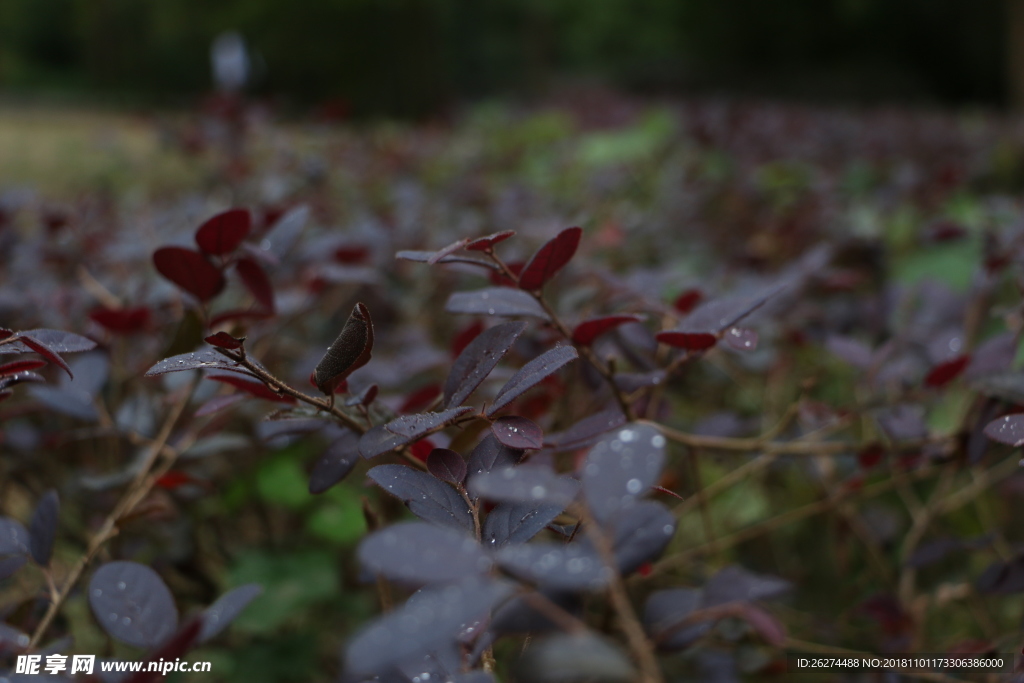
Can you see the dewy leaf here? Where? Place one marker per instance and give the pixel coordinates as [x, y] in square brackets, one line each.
[43, 528]
[57, 341]
[190, 271]
[740, 338]
[412, 427]
[589, 330]
[223, 233]
[378, 441]
[517, 522]
[417, 553]
[349, 352]
[478, 359]
[220, 614]
[491, 454]
[14, 539]
[133, 604]
[524, 484]
[702, 328]
[1008, 429]
[447, 465]
[432, 618]
[500, 301]
[18, 366]
[641, 533]
[621, 468]
[531, 374]
[573, 567]
[427, 497]
[518, 432]
[257, 282]
[205, 359]
[550, 259]
[665, 612]
[335, 464]
[445, 251]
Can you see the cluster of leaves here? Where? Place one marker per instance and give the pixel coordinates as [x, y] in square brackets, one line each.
[524, 417]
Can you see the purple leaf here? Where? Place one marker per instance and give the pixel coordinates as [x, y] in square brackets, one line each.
[478, 359]
[220, 614]
[132, 604]
[365, 397]
[993, 356]
[621, 468]
[550, 259]
[425, 496]
[190, 271]
[666, 610]
[205, 359]
[447, 465]
[426, 256]
[14, 539]
[491, 454]
[702, 328]
[524, 484]
[587, 431]
[500, 301]
[516, 522]
[46, 352]
[224, 340]
[223, 233]
[335, 464]
[416, 553]
[412, 427]
[9, 565]
[349, 352]
[531, 374]
[57, 341]
[574, 567]
[1008, 429]
[518, 432]
[903, 422]
[740, 338]
[429, 620]
[43, 528]
[378, 441]
[641, 533]
[736, 584]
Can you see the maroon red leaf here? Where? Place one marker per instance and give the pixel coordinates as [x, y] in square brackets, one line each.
[518, 432]
[944, 373]
[16, 366]
[121, 320]
[256, 281]
[589, 330]
[224, 340]
[688, 300]
[478, 359]
[1008, 429]
[447, 465]
[488, 242]
[365, 397]
[692, 341]
[532, 373]
[224, 232]
[190, 271]
[46, 352]
[349, 352]
[550, 259]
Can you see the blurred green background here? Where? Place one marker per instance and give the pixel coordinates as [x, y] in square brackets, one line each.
[415, 57]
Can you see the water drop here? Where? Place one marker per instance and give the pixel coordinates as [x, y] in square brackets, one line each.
[121, 585]
[126, 621]
[634, 485]
[658, 441]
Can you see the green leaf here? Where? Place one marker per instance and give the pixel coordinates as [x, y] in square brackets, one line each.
[339, 520]
[281, 481]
